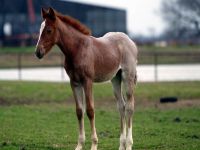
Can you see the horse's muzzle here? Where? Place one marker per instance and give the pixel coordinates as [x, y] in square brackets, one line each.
[39, 54]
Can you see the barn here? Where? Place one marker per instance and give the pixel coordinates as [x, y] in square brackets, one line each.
[20, 19]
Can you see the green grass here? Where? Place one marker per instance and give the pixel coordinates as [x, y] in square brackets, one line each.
[54, 127]
[17, 49]
[169, 55]
[28, 49]
[13, 92]
[38, 116]
[26, 58]
[178, 48]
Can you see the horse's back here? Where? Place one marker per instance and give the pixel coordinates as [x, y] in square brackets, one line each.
[123, 41]
[125, 45]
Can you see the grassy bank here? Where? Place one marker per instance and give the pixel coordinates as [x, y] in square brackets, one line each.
[13, 92]
[54, 127]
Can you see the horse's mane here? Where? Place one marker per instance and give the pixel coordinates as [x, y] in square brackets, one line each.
[74, 23]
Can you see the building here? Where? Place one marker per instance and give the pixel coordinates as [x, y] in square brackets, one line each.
[20, 19]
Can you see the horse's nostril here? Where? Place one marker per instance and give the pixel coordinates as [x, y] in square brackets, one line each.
[38, 54]
[35, 53]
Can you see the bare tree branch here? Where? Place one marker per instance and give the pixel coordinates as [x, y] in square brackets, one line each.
[182, 16]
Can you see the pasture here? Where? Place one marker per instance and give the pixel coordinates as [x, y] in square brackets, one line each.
[39, 115]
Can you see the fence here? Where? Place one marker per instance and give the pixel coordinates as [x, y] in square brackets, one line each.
[170, 58]
[20, 61]
[16, 62]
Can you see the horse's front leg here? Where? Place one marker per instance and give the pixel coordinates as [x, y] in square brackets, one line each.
[90, 111]
[78, 95]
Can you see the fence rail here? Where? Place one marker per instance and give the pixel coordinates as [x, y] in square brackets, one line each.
[172, 57]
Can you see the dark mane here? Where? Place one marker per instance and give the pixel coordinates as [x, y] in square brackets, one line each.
[74, 23]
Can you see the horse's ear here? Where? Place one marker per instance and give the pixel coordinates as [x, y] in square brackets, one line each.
[43, 13]
[51, 13]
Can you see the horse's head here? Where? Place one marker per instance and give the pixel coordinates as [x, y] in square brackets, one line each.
[48, 36]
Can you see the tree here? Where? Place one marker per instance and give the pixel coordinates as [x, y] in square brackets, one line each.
[183, 18]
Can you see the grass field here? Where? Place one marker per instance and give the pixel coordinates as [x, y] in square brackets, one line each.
[14, 92]
[38, 115]
[54, 126]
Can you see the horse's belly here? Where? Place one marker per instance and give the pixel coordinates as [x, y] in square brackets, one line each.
[102, 77]
[107, 69]
[107, 61]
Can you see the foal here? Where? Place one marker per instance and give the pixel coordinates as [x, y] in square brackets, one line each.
[89, 59]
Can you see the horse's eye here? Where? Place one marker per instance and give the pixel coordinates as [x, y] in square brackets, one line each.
[49, 31]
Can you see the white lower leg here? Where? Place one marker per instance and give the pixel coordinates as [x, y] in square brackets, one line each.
[81, 138]
[129, 139]
[81, 141]
[94, 140]
[123, 135]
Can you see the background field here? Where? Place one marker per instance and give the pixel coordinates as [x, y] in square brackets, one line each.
[39, 115]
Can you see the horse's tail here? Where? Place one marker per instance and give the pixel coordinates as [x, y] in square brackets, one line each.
[119, 75]
[135, 78]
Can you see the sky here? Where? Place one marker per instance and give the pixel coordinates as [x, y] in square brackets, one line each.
[143, 16]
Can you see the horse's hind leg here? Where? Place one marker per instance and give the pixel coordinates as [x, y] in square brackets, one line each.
[129, 79]
[116, 82]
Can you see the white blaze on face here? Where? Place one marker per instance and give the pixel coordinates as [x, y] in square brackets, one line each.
[41, 30]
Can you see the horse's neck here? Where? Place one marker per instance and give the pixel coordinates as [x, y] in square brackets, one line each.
[69, 40]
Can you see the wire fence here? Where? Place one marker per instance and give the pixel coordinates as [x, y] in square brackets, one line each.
[20, 61]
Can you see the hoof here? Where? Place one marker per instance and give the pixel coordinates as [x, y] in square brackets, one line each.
[79, 147]
[94, 147]
[122, 148]
[129, 147]
[122, 145]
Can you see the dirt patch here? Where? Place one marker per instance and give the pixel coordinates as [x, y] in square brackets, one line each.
[139, 104]
[110, 103]
[178, 104]
[3, 102]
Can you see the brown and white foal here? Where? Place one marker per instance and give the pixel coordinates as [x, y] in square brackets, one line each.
[89, 59]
